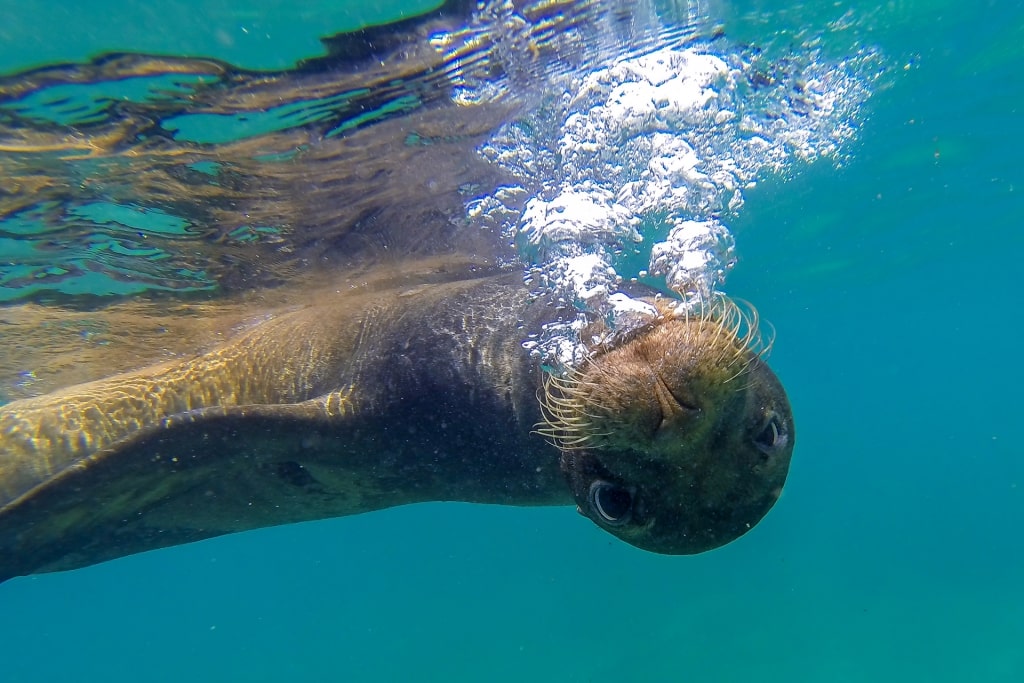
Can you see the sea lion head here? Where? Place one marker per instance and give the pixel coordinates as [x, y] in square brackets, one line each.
[678, 438]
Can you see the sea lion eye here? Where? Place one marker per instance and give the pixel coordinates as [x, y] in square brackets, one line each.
[613, 504]
[772, 435]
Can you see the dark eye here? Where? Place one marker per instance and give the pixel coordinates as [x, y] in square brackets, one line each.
[772, 436]
[612, 504]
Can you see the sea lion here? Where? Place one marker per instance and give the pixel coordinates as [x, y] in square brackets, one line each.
[380, 391]
[676, 438]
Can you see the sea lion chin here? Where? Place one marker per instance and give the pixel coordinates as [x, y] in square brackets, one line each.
[677, 439]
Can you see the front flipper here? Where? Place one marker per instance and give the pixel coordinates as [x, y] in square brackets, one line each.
[193, 476]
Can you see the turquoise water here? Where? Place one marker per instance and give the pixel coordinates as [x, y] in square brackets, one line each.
[895, 552]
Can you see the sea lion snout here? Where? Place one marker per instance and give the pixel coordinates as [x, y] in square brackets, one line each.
[679, 440]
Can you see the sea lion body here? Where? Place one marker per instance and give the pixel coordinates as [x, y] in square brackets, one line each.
[367, 402]
[676, 438]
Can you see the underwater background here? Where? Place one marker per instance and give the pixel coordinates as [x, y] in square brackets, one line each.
[893, 281]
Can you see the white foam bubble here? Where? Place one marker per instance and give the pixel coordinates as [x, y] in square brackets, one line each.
[579, 215]
[654, 152]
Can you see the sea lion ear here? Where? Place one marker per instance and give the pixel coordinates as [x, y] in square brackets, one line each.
[191, 476]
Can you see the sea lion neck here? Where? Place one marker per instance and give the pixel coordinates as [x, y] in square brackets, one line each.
[443, 373]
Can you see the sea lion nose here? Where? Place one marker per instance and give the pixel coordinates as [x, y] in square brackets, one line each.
[675, 407]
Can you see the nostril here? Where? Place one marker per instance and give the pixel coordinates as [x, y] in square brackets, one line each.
[674, 400]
